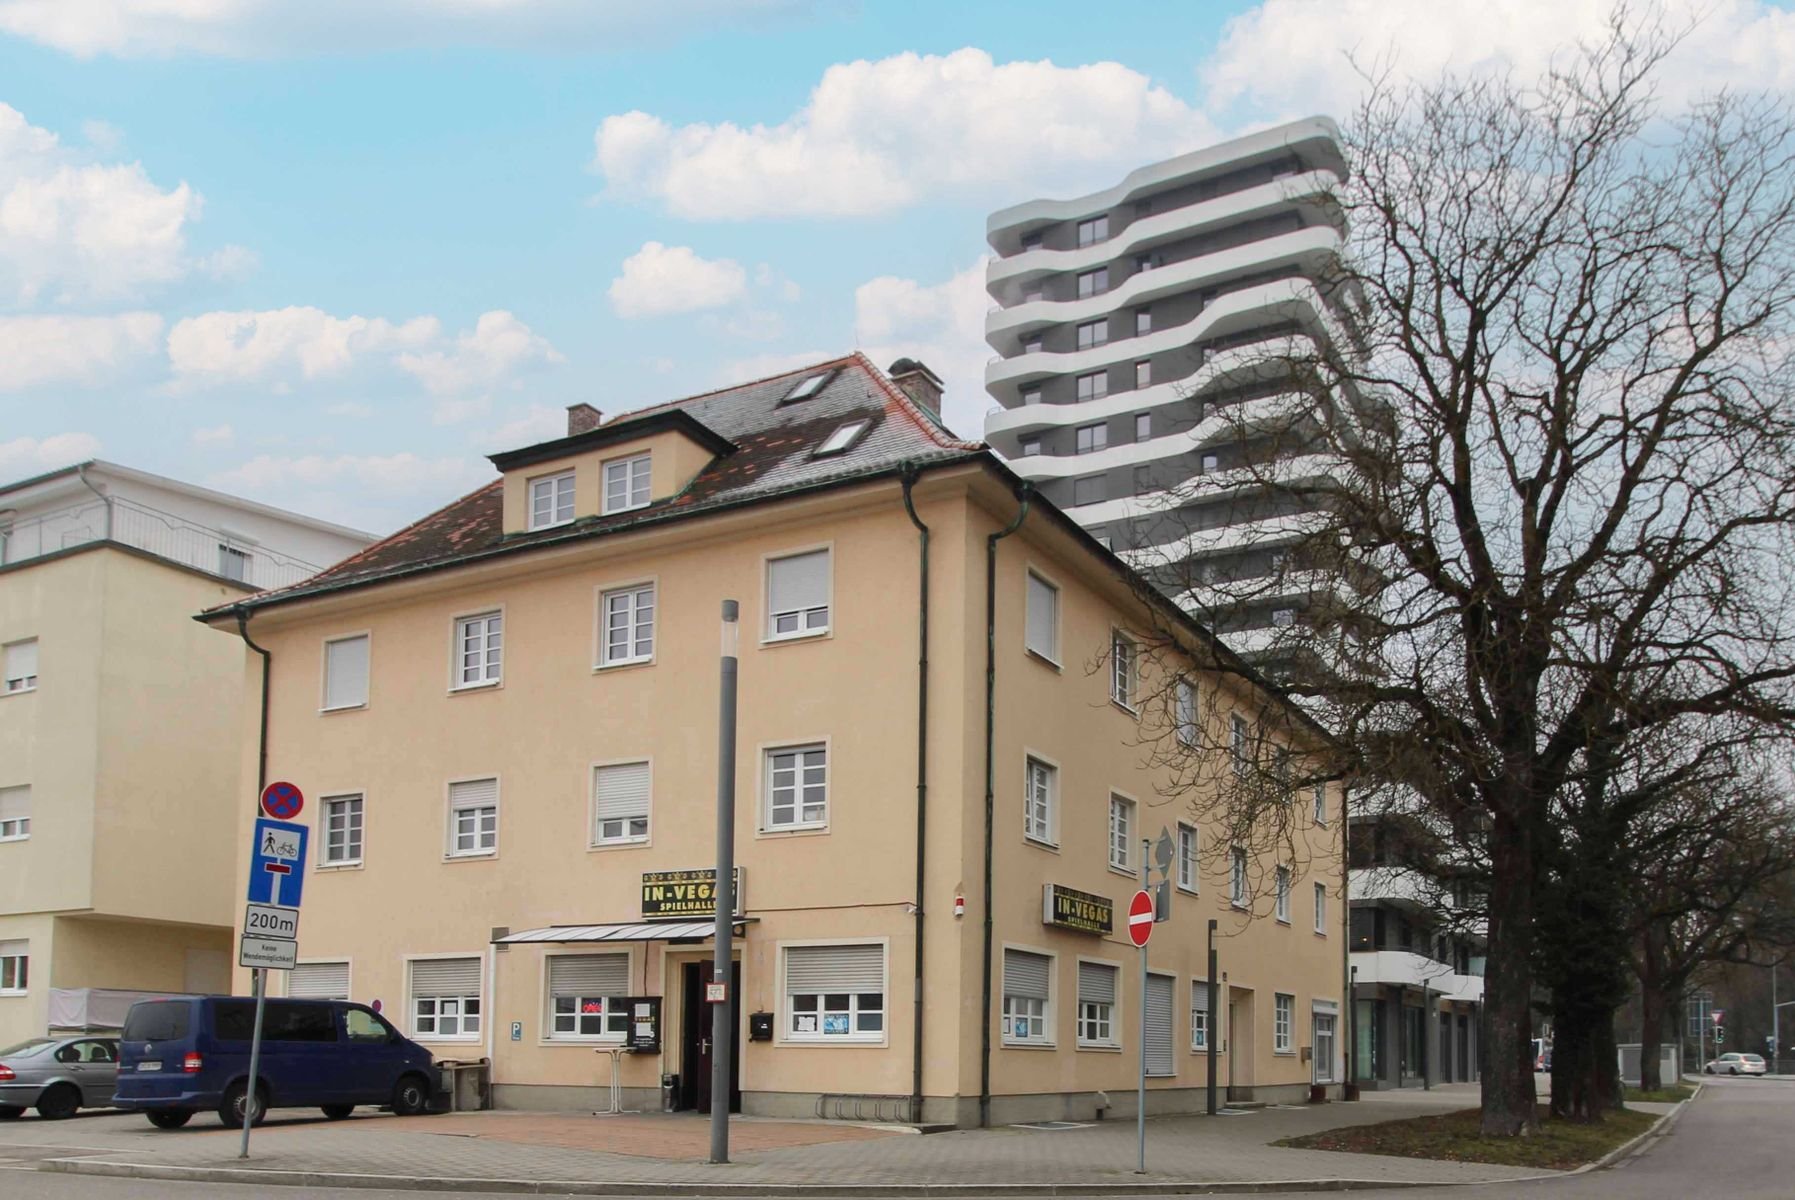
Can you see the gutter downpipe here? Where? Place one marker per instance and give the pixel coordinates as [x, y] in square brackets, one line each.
[81, 474]
[1023, 494]
[922, 781]
[267, 663]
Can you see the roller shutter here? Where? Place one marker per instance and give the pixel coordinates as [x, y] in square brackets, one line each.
[1159, 1025]
[319, 981]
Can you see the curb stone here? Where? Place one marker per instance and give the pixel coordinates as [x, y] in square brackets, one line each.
[1660, 1128]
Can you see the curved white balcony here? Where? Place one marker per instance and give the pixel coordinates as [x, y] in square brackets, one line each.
[1318, 136]
[1405, 968]
[1126, 454]
[1215, 429]
[1306, 249]
[1236, 364]
[1161, 228]
[1287, 299]
[1295, 469]
[1293, 587]
[1285, 530]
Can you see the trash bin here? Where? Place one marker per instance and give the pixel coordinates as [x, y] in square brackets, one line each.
[669, 1092]
[462, 1086]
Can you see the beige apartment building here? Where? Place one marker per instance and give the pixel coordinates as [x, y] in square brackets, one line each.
[120, 785]
[505, 720]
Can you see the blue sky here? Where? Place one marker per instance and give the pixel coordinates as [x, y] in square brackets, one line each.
[329, 254]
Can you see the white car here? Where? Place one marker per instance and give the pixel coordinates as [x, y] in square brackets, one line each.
[1737, 1064]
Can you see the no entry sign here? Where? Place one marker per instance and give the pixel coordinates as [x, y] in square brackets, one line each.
[282, 801]
[1140, 918]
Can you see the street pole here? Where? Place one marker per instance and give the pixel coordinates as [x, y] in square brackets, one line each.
[259, 983]
[723, 1012]
[1215, 1020]
[1140, 1114]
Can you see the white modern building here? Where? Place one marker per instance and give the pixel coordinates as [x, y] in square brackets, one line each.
[1131, 328]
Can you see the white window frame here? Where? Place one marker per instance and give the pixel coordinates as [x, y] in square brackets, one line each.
[601, 658]
[19, 972]
[1099, 282]
[1239, 887]
[411, 1001]
[1143, 322]
[1200, 988]
[843, 438]
[593, 828]
[854, 1037]
[17, 829]
[1321, 909]
[1092, 334]
[1124, 669]
[1239, 744]
[1282, 877]
[549, 1035]
[325, 862]
[629, 465]
[798, 825]
[1097, 227]
[1099, 385]
[457, 627]
[324, 705]
[1283, 1023]
[1143, 427]
[1048, 1039]
[1051, 656]
[1122, 802]
[1186, 708]
[450, 809]
[1321, 803]
[1143, 378]
[768, 634]
[27, 683]
[1323, 1065]
[1112, 1020]
[1187, 876]
[1091, 439]
[1047, 832]
[553, 483]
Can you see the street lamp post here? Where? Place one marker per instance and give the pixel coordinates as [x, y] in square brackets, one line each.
[723, 1011]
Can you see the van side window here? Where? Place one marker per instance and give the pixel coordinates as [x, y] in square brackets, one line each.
[289, 1022]
[364, 1026]
[156, 1021]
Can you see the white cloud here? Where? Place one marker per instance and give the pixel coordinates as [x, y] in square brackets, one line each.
[72, 230]
[537, 423]
[258, 28]
[760, 366]
[216, 435]
[1290, 57]
[230, 263]
[39, 351]
[878, 136]
[23, 457]
[659, 280]
[492, 354]
[366, 491]
[277, 346]
[942, 325]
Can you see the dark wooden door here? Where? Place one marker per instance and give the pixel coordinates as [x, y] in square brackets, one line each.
[697, 1058]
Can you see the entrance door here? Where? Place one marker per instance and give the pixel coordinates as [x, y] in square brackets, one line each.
[1446, 1048]
[695, 1063]
[1464, 1049]
[1240, 1042]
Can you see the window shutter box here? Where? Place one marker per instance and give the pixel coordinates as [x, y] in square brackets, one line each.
[1096, 983]
[475, 793]
[622, 791]
[1025, 974]
[1159, 1025]
[588, 975]
[798, 582]
[319, 981]
[346, 673]
[834, 969]
[445, 977]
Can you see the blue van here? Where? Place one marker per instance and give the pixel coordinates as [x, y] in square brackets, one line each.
[180, 1056]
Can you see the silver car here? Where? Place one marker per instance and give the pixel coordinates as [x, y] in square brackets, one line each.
[1737, 1064]
[58, 1076]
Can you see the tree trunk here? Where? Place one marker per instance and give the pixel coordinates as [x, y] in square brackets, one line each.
[1510, 1106]
[1651, 1011]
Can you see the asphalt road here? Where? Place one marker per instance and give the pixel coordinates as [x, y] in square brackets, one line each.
[1737, 1142]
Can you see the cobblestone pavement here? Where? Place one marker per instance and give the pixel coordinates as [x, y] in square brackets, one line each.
[670, 1149]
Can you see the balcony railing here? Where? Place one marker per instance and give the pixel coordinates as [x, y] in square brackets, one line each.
[156, 532]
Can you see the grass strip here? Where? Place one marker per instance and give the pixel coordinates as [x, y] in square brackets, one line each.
[1454, 1137]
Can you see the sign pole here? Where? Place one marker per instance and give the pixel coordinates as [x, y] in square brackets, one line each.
[1140, 1114]
[1215, 1021]
[723, 1012]
[260, 985]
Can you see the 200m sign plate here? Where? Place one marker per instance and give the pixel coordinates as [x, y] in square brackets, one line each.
[271, 921]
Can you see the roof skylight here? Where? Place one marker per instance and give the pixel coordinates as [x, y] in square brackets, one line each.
[807, 387]
[843, 437]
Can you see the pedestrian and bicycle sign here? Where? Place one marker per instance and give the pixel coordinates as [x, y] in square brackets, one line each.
[277, 863]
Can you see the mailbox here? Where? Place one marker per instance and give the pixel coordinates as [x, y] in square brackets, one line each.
[760, 1027]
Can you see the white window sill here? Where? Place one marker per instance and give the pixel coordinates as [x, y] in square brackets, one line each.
[470, 856]
[1284, 921]
[1044, 660]
[459, 1039]
[1126, 707]
[12, 992]
[792, 830]
[24, 691]
[484, 686]
[1187, 890]
[1103, 1047]
[1199, 1050]
[570, 1041]
[623, 508]
[1124, 871]
[616, 663]
[839, 1039]
[1284, 1053]
[621, 844]
[1172, 1074]
[1010, 1044]
[1041, 843]
[343, 708]
[777, 639]
[347, 864]
[1238, 905]
[550, 525]
[16, 837]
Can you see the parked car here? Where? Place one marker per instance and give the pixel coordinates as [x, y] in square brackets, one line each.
[1542, 1054]
[57, 1076]
[192, 1054]
[1737, 1064]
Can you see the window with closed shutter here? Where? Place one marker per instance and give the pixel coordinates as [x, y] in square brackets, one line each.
[798, 594]
[1043, 618]
[1027, 991]
[319, 981]
[18, 666]
[473, 817]
[620, 803]
[1160, 991]
[346, 672]
[15, 813]
[588, 995]
[445, 998]
[15, 964]
[835, 992]
[1096, 1004]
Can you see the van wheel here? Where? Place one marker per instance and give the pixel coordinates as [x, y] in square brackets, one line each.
[230, 1109]
[337, 1112]
[59, 1103]
[10, 1112]
[411, 1096]
[169, 1118]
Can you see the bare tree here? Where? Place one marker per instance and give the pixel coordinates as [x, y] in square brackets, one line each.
[1535, 448]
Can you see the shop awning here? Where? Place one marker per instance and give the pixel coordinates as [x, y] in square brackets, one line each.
[637, 931]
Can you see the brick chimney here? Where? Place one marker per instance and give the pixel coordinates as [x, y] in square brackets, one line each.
[583, 418]
[922, 385]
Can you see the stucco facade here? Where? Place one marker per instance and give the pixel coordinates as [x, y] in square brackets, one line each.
[845, 693]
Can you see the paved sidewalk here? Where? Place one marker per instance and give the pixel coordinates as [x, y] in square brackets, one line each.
[653, 1153]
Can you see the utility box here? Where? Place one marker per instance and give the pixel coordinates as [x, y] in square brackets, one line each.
[760, 1027]
[463, 1086]
[669, 1092]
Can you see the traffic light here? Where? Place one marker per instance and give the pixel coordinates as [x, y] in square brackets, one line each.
[1719, 1034]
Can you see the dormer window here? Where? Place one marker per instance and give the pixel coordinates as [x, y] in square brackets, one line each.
[808, 387]
[843, 437]
[551, 500]
[627, 483]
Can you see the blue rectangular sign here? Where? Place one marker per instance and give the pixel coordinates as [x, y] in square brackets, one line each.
[277, 863]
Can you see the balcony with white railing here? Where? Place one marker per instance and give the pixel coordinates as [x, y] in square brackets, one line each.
[1265, 532]
[165, 535]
